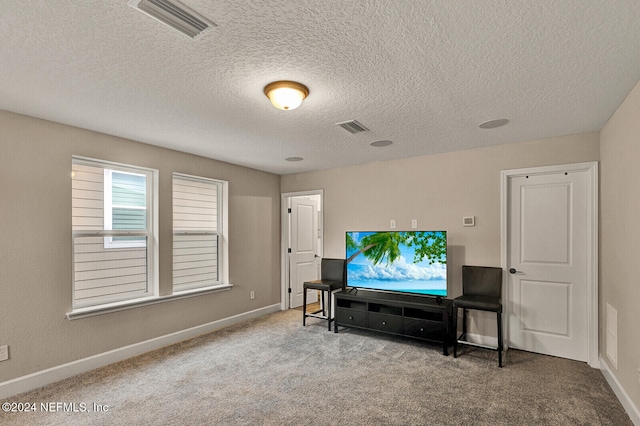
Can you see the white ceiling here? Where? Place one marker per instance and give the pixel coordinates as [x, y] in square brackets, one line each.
[423, 74]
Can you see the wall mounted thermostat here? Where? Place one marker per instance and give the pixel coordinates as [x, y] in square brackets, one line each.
[469, 221]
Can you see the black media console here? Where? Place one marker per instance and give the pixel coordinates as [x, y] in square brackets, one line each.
[419, 317]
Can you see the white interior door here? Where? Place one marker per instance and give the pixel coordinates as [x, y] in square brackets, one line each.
[304, 241]
[548, 277]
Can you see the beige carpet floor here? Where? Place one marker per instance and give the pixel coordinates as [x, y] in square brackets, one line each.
[273, 371]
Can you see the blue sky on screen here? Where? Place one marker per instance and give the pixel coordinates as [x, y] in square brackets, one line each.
[403, 269]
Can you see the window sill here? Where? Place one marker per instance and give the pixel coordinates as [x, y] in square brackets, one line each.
[131, 304]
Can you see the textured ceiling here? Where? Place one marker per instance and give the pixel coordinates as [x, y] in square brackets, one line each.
[423, 74]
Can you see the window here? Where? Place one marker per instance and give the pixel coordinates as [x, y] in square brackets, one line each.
[114, 233]
[198, 232]
[125, 207]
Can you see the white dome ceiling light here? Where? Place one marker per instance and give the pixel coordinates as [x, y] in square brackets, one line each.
[286, 95]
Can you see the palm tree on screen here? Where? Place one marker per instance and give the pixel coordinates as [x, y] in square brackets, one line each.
[381, 246]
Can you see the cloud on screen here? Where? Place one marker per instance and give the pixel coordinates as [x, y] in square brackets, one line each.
[401, 270]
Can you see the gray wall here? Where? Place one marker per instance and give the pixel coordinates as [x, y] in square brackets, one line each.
[35, 245]
[620, 239]
[438, 191]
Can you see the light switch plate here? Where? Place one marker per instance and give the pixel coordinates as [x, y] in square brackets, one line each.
[4, 353]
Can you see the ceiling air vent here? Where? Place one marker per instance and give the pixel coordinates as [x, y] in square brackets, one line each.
[352, 126]
[176, 15]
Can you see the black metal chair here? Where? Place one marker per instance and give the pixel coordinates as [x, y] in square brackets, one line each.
[482, 291]
[332, 278]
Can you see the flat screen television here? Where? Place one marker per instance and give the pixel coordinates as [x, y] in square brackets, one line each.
[406, 262]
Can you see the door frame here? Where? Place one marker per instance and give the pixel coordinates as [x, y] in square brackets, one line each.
[284, 238]
[591, 168]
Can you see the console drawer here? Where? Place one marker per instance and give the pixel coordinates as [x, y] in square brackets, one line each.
[354, 317]
[383, 322]
[423, 329]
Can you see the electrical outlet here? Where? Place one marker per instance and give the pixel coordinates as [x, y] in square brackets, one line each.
[392, 224]
[4, 353]
[252, 295]
[414, 224]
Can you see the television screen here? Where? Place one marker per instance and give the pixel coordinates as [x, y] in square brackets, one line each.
[409, 261]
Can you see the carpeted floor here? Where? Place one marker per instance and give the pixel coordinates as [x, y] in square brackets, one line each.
[272, 371]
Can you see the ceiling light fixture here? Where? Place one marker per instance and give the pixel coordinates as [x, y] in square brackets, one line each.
[286, 95]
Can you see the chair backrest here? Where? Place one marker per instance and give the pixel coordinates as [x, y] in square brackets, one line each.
[333, 270]
[482, 281]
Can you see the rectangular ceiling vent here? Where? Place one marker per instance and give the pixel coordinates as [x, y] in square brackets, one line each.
[176, 15]
[352, 126]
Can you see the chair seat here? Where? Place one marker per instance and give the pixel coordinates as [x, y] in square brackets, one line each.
[324, 285]
[483, 303]
[333, 275]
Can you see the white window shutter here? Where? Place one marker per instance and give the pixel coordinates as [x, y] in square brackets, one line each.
[196, 232]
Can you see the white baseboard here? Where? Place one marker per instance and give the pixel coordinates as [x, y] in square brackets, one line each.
[41, 378]
[623, 397]
[482, 340]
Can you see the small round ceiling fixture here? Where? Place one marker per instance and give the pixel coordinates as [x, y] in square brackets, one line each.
[492, 124]
[286, 95]
[380, 144]
[294, 159]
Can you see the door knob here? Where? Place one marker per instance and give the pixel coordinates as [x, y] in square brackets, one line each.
[514, 271]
